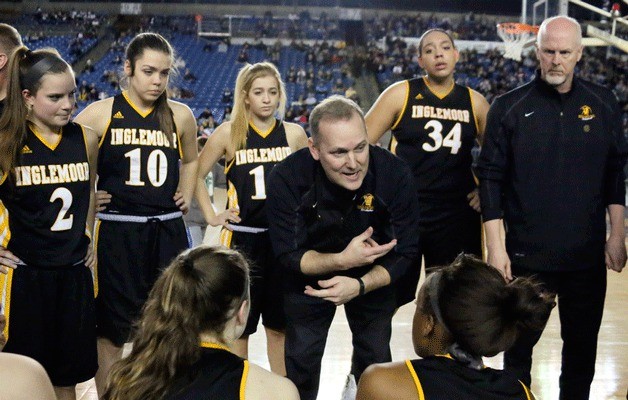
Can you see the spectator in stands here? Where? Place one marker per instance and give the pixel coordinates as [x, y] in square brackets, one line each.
[292, 74]
[243, 56]
[89, 65]
[310, 100]
[226, 115]
[301, 75]
[464, 312]
[206, 113]
[227, 95]
[195, 312]
[189, 76]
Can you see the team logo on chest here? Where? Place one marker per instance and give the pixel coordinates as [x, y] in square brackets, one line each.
[367, 203]
[586, 113]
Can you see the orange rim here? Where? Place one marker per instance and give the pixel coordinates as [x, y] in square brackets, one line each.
[517, 27]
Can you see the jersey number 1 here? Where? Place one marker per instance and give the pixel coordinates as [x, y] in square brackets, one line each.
[451, 140]
[260, 186]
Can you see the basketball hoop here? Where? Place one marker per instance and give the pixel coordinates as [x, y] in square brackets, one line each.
[516, 36]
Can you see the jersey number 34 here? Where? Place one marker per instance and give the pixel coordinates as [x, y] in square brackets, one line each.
[451, 140]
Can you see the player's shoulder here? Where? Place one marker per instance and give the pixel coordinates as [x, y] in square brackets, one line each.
[180, 109]
[261, 382]
[97, 109]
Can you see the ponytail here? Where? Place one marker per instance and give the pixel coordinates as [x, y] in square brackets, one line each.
[24, 72]
[199, 292]
[483, 313]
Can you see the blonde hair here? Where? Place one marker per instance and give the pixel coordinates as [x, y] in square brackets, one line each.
[240, 115]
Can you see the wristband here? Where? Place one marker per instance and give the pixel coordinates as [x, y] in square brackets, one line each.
[362, 287]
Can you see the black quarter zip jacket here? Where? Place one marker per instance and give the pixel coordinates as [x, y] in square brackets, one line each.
[550, 165]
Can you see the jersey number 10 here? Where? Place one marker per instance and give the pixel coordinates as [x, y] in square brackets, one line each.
[156, 167]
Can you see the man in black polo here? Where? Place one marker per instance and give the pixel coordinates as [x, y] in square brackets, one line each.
[344, 225]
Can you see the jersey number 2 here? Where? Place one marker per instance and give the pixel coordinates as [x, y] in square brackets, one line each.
[156, 167]
[63, 221]
[451, 140]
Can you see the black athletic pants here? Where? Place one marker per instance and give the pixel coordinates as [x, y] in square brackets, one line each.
[580, 305]
[307, 323]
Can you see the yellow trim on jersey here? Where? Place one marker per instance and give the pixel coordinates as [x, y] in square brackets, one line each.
[51, 146]
[415, 378]
[229, 164]
[483, 239]
[95, 271]
[212, 345]
[527, 391]
[446, 92]
[475, 118]
[178, 141]
[5, 299]
[259, 132]
[133, 106]
[225, 237]
[245, 375]
[403, 109]
[232, 196]
[3, 177]
[102, 138]
[85, 142]
[392, 146]
[5, 230]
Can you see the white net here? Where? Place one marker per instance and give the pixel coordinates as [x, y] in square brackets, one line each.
[516, 36]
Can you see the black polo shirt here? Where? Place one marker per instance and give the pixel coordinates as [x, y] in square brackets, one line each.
[306, 212]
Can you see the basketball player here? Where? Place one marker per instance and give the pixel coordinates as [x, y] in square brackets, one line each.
[435, 123]
[143, 135]
[464, 311]
[196, 310]
[252, 142]
[46, 188]
[10, 39]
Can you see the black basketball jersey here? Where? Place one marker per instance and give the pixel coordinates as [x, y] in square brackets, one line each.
[47, 201]
[435, 135]
[218, 374]
[248, 170]
[442, 378]
[138, 163]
